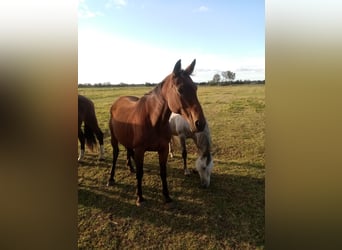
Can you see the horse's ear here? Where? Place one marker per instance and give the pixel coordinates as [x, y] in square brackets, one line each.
[191, 67]
[177, 69]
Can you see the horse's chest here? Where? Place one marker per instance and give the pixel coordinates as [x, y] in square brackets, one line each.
[154, 138]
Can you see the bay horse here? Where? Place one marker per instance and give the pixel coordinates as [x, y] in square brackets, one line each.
[142, 124]
[180, 128]
[86, 114]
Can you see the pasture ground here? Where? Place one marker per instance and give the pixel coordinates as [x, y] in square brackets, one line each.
[227, 215]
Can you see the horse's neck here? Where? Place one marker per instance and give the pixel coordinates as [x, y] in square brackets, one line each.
[204, 147]
[203, 142]
[160, 111]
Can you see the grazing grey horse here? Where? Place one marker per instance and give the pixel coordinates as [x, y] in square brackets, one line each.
[204, 164]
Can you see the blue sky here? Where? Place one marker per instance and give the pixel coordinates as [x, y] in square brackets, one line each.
[140, 41]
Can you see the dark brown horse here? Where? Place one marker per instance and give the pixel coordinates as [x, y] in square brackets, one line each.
[86, 114]
[142, 124]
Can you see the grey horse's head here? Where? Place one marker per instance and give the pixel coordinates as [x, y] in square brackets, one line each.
[204, 163]
[204, 166]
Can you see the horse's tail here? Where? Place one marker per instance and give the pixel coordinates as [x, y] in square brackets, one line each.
[89, 137]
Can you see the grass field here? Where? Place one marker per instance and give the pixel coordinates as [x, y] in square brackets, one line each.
[227, 215]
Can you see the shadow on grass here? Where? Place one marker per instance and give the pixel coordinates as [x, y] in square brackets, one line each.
[244, 164]
[91, 161]
[231, 210]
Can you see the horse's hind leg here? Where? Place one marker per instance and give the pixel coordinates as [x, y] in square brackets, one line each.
[81, 138]
[130, 155]
[99, 136]
[184, 155]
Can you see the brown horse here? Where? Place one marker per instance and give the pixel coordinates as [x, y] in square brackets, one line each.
[86, 114]
[142, 124]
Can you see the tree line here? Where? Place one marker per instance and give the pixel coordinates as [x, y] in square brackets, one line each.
[208, 83]
[223, 79]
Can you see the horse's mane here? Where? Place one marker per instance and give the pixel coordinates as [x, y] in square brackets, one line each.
[155, 94]
[204, 143]
[157, 89]
[159, 86]
[203, 138]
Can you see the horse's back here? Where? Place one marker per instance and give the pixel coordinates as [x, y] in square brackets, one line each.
[85, 108]
[124, 105]
[179, 126]
[84, 101]
[172, 123]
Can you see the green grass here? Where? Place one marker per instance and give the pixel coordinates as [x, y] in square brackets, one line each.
[227, 215]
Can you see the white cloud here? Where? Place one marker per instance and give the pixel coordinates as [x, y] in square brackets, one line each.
[246, 68]
[85, 12]
[106, 58]
[116, 3]
[202, 9]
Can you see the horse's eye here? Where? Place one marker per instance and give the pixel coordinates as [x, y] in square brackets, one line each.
[180, 89]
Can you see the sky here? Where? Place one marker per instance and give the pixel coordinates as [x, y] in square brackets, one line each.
[139, 41]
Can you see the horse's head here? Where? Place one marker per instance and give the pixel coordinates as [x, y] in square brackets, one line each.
[181, 96]
[204, 166]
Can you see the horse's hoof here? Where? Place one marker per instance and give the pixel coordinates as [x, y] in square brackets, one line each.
[168, 200]
[110, 183]
[169, 205]
[140, 202]
[187, 172]
[101, 159]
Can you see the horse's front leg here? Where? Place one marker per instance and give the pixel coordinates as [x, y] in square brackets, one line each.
[163, 153]
[139, 163]
[184, 155]
[171, 147]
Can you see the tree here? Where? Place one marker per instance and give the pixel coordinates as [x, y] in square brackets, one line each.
[228, 75]
[216, 78]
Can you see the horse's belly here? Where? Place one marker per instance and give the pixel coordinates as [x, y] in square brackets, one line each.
[138, 137]
[158, 142]
[125, 135]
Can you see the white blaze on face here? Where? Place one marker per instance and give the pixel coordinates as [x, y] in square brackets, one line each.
[204, 170]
